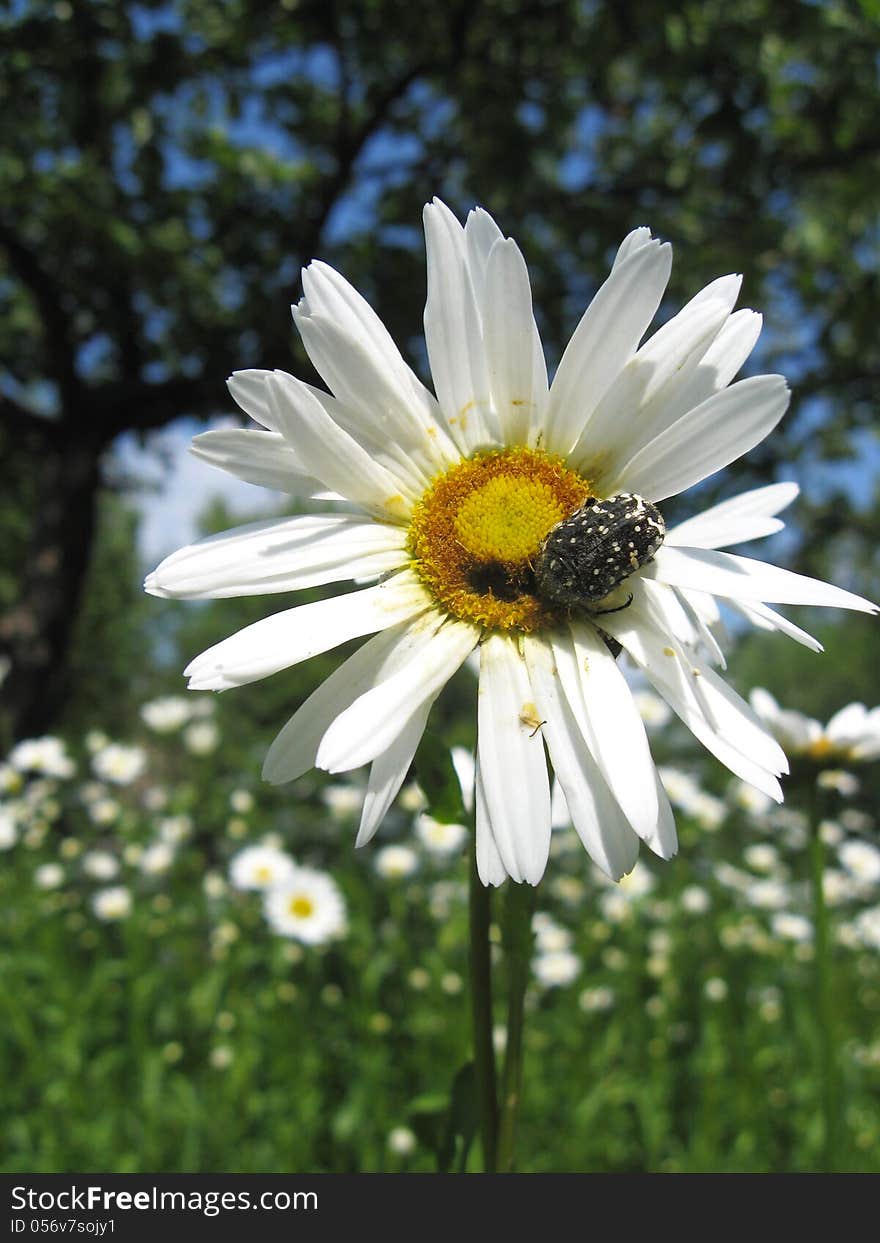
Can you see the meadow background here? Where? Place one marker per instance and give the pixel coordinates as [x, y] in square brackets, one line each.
[165, 171]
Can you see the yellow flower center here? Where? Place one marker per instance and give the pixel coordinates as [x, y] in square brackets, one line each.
[820, 748]
[476, 530]
[301, 906]
[263, 874]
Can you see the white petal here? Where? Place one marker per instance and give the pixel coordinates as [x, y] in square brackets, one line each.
[665, 842]
[596, 815]
[248, 389]
[261, 458]
[705, 439]
[453, 334]
[377, 717]
[765, 618]
[634, 409]
[604, 341]
[368, 364]
[518, 393]
[511, 761]
[480, 235]
[332, 455]
[640, 630]
[751, 515]
[722, 360]
[464, 763]
[358, 382]
[294, 750]
[724, 574]
[273, 556]
[848, 724]
[632, 242]
[388, 772]
[490, 867]
[616, 735]
[297, 634]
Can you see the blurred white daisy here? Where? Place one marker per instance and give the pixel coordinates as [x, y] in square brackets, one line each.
[166, 715]
[112, 903]
[100, 864]
[846, 784]
[343, 801]
[47, 756]
[201, 738]
[396, 862]
[461, 508]
[695, 900]
[791, 927]
[8, 830]
[596, 1000]
[550, 936]
[307, 906]
[175, 829]
[118, 763]
[556, 968]
[401, 1141]
[157, 858]
[861, 860]
[853, 733]
[260, 867]
[49, 876]
[715, 989]
[439, 838]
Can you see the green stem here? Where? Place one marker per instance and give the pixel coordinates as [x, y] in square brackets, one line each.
[481, 1014]
[824, 1000]
[517, 938]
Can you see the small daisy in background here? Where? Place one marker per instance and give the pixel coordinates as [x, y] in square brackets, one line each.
[119, 764]
[852, 734]
[516, 517]
[396, 862]
[46, 756]
[439, 838]
[260, 867]
[308, 906]
[112, 904]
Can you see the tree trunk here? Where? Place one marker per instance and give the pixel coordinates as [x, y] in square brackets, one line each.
[35, 632]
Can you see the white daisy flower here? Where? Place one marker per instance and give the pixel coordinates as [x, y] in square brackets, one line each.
[119, 763]
[861, 860]
[844, 783]
[396, 862]
[112, 903]
[556, 968]
[8, 830]
[308, 906]
[100, 864]
[715, 989]
[201, 738]
[49, 876]
[47, 756]
[460, 510]
[167, 714]
[402, 1141]
[695, 900]
[157, 858]
[595, 1000]
[260, 867]
[439, 838]
[853, 733]
[792, 927]
[550, 937]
